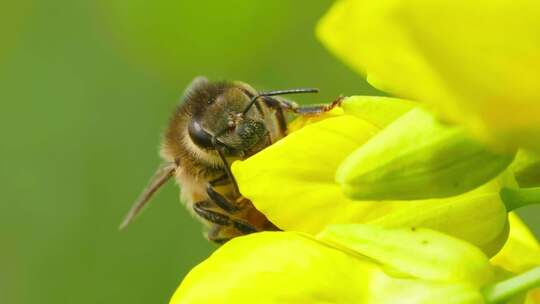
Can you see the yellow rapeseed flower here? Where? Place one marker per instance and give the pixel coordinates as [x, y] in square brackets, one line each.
[293, 182]
[371, 209]
[363, 264]
[520, 253]
[475, 62]
[345, 264]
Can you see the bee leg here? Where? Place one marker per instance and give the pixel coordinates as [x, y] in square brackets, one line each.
[244, 227]
[214, 235]
[203, 210]
[301, 110]
[220, 181]
[282, 120]
[219, 147]
[220, 200]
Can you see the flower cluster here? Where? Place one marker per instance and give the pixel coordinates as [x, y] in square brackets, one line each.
[389, 200]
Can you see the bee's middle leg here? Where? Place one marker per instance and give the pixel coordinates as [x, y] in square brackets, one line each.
[218, 235]
[205, 210]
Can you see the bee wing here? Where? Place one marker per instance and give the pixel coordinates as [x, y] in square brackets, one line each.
[162, 175]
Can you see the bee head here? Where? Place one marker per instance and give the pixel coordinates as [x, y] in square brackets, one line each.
[220, 122]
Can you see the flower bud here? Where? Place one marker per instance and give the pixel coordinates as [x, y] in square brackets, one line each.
[526, 168]
[417, 157]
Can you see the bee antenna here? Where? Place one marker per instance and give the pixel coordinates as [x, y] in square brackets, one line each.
[278, 92]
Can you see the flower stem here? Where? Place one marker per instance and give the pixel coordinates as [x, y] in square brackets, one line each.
[517, 198]
[500, 291]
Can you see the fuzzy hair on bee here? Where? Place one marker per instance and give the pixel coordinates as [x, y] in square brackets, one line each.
[215, 124]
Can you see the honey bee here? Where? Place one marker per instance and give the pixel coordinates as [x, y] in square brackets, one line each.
[217, 123]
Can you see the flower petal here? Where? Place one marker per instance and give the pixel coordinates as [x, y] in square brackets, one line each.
[286, 267]
[277, 267]
[475, 62]
[526, 169]
[478, 217]
[295, 176]
[418, 252]
[379, 111]
[521, 251]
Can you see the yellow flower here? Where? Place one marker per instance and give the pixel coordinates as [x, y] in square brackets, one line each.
[520, 253]
[298, 172]
[475, 62]
[417, 157]
[293, 182]
[526, 168]
[345, 264]
[359, 263]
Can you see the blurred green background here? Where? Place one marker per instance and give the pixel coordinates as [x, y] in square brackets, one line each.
[86, 88]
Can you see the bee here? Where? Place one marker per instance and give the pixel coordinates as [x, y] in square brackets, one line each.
[217, 123]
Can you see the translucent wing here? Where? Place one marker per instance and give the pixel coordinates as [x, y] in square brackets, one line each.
[162, 175]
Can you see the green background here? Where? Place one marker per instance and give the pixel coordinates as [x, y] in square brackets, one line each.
[86, 88]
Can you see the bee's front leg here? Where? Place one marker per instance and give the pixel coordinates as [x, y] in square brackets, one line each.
[220, 200]
[205, 209]
[301, 110]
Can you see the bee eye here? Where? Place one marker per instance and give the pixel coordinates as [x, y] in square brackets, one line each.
[199, 136]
